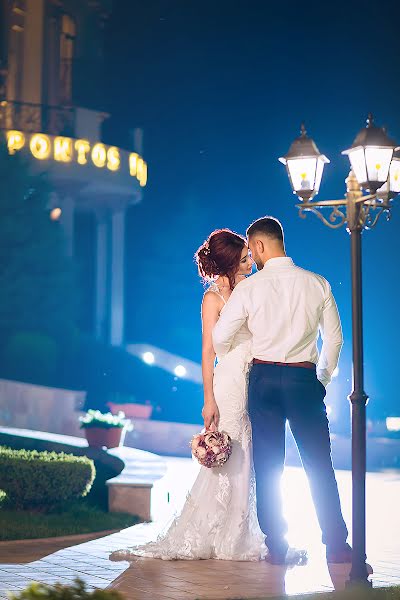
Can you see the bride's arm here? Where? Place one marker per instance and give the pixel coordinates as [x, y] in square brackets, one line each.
[210, 309]
[233, 317]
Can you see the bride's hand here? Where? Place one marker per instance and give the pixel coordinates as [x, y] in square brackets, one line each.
[210, 414]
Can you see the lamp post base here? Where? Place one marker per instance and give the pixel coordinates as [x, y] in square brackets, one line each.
[358, 583]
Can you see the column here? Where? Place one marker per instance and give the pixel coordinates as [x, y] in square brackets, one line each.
[67, 221]
[101, 276]
[117, 278]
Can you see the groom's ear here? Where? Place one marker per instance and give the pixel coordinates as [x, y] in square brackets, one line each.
[260, 246]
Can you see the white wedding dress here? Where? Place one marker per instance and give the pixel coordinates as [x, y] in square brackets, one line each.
[219, 518]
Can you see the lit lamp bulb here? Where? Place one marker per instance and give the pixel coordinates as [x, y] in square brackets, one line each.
[55, 214]
[180, 371]
[148, 358]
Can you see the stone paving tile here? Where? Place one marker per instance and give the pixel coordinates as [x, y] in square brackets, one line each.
[145, 579]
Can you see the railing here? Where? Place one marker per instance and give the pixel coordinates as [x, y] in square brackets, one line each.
[37, 118]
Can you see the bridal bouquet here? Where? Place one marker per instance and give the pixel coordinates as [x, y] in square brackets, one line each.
[211, 448]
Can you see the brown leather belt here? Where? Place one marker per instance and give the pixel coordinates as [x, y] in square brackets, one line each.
[305, 364]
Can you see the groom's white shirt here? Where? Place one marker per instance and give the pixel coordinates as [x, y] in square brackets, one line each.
[285, 308]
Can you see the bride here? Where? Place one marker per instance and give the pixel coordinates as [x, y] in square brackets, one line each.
[219, 517]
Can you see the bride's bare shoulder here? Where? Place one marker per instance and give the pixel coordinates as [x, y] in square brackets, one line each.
[212, 300]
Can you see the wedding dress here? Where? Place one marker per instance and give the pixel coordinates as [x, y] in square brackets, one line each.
[219, 518]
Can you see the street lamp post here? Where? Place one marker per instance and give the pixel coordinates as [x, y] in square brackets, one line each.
[376, 170]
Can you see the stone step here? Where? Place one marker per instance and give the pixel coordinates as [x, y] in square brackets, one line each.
[130, 491]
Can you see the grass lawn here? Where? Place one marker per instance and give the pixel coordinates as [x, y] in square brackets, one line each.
[80, 517]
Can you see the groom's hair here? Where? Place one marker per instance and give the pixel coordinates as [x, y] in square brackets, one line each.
[268, 226]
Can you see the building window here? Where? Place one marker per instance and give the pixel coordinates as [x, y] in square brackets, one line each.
[67, 49]
[16, 50]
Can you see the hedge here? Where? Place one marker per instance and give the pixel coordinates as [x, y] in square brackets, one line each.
[75, 591]
[43, 480]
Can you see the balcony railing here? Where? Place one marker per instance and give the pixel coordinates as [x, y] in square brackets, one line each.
[37, 118]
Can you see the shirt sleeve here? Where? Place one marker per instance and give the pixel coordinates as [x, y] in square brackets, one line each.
[332, 339]
[233, 315]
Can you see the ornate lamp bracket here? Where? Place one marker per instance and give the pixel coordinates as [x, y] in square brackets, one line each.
[357, 211]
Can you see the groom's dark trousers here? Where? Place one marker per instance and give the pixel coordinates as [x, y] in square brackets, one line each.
[278, 394]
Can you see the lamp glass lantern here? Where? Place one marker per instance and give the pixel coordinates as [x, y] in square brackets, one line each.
[370, 156]
[391, 188]
[394, 173]
[305, 165]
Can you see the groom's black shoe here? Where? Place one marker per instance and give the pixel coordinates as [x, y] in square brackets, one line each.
[289, 557]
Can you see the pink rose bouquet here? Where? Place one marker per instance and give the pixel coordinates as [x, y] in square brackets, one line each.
[211, 448]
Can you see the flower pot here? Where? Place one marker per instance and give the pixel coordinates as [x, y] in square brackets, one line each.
[97, 437]
[132, 410]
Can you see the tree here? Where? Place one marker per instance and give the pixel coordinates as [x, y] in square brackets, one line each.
[37, 293]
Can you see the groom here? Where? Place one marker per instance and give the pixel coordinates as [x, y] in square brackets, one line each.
[285, 307]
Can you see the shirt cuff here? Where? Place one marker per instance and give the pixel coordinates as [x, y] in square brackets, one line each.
[324, 377]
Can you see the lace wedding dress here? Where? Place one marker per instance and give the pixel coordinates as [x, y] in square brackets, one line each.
[219, 518]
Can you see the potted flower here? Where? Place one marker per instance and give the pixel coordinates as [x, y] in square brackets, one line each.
[104, 429]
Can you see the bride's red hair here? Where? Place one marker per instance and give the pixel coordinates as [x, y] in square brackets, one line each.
[220, 255]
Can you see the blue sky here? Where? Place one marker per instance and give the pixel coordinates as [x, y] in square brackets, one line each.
[220, 89]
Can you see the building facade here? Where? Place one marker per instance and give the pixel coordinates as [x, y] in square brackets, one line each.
[50, 67]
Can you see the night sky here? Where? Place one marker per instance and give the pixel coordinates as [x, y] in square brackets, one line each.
[220, 89]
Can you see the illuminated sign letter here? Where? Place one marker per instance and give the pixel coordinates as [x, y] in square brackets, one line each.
[63, 149]
[66, 149]
[143, 175]
[15, 141]
[113, 159]
[82, 147]
[99, 155]
[133, 160]
[40, 146]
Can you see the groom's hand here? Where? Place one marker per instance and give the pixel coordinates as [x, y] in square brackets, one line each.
[210, 414]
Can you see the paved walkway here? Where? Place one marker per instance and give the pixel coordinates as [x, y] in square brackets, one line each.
[148, 578]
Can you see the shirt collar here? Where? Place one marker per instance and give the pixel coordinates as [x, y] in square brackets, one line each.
[280, 261]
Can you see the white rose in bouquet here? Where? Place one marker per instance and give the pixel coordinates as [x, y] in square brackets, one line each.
[211, 439]
[200, 452]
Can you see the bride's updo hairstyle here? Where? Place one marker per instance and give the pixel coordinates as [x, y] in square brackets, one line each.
[219, 256]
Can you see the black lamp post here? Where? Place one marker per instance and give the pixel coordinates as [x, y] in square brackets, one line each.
[375, 169]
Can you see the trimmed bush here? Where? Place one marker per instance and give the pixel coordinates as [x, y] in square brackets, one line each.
[43, 480]
[76, 591]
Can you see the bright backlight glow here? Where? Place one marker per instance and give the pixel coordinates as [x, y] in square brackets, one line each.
[148, 358]
[393, 423]
[180, 371]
